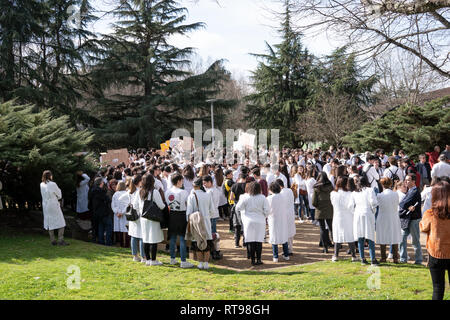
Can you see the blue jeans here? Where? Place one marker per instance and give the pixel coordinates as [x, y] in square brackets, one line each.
[285, 250]
[414, 231]
[173, 245]
[214, 225]
[135, 242]
[312, 213]
[105, 225]
[371, 248]
[304, 205]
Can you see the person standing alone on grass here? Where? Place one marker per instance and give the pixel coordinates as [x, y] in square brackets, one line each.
[436, 224]
[53, 216]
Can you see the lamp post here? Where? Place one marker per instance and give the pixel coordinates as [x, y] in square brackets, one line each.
[212, 119]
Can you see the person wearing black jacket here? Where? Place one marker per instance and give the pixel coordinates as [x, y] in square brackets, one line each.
[410, 216]
[424, 169]
[100, 207]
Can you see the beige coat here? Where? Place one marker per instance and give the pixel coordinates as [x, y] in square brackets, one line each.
[196, 230]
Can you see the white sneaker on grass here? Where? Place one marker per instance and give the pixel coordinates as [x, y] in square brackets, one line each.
[186, 265]
[355, 259]
[334, 259]
[136, 259]
[143, 261]
[275, 260]
[156, 263]
[200, 265]
[205, 266]
[173, 261]
[148, 263]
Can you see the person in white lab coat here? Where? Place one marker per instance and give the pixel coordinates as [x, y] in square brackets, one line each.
[53, 216]
[151, 231]
[388, 226]
[254, 209]
[310, 182]
[82, 192]
[288, 208]
[134, 227]
[278, 222]
[202, 202]
[119, 206]
[343, 207]
[365, 202]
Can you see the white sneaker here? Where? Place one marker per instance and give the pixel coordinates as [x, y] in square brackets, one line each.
[200, 265]
[143, 261]
[205, 266]
[136, 259]
[286, 258]
[275, 260]
[301, 221]
[156, 263]
[186, 265]
[173, 261]
[148, 263]
[355, 259]
[334, 259]
[390, 256]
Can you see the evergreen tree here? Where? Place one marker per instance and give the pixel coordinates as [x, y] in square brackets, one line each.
[339, 91]
[143, 89]
[414, 129]
[34, 142]
[43, 54]
[281, 85]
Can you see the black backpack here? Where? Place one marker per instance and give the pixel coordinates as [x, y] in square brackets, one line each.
[395, 177]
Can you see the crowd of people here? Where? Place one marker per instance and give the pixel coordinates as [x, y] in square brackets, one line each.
[361, 200]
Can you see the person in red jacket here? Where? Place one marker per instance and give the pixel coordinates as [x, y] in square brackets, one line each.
[434, 156]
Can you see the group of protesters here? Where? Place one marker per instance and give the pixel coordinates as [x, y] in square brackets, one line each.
[355, 199]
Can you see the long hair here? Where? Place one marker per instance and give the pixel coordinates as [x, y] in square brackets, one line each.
[47, 176]
[218, 175]
[188, 173]
[148, 184]
[341, 183]
[322, 180]
[440, 200]
[79, 178]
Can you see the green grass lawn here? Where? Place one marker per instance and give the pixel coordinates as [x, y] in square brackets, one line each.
[30, 268]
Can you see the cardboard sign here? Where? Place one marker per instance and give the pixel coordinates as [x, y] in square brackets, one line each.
[115, 157]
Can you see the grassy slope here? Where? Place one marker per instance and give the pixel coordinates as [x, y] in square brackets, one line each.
[30, 268]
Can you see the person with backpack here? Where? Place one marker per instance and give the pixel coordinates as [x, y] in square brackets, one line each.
[372, 174]
[394, 172]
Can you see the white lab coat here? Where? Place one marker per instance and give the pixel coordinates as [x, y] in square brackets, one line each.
[82, 195]
[119, 204]
[310, 189]
[290, 210]
[205, 206]
[53, 216]
[272, 177]
[254, 210]
[215, 195]
[134, 227]
[365, 203]
[372, 175]
[426, 199]
[151, 230]
[277, 219]
[388, 227]
[343, 208]
[440, 169]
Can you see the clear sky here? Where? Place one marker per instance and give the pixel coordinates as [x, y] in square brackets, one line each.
[234, 28]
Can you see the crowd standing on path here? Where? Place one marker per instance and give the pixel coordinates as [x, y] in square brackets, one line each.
[361, 200]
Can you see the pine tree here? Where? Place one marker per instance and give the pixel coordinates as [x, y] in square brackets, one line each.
[143, 89]
[339, 91]
[281, 85]
[34, 142]
[412, 128]
[43, 55]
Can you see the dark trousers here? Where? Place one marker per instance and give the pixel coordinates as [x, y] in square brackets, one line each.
[394, 252]
[237, 235]
[255, 251]
[105, 231]
[351, 245]
[437, 271]
[153, 247]
[324, 234]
